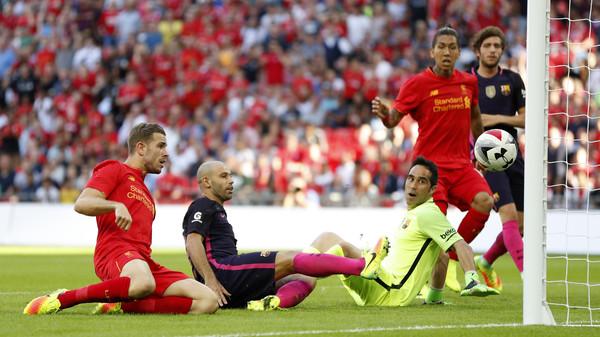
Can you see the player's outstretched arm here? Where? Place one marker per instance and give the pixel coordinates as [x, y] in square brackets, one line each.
[195, 249]
[389, 117]
[465, 255]
[93, 202]
[517, 120]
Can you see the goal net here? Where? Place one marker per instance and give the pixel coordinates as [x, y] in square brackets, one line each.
[562, 221]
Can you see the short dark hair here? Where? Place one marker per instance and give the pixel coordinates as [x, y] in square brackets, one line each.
[431, 166]
[142, 132]
[487, 32]
[444, 31]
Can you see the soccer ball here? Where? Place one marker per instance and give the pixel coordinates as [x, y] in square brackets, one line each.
[496, 150]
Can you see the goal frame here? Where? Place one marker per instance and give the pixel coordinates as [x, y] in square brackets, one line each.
[535, 306]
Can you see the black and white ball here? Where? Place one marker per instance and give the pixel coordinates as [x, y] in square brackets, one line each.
[496, 150]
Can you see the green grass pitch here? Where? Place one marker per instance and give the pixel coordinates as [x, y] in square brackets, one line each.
[329, 311]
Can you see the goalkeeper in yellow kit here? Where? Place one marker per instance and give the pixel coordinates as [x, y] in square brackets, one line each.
[415, 250]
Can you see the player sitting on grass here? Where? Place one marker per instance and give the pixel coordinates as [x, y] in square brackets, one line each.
[260, 280]
[415, 248]
[124, 209]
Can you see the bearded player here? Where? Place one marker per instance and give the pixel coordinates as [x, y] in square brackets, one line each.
[502, 101]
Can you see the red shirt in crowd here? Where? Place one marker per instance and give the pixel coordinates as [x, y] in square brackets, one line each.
[274, 69]
[353, 82]
[442, 108]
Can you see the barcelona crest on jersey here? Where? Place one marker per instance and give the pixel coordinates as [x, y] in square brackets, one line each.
[490, 91]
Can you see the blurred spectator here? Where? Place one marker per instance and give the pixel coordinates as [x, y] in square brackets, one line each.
[47, 192]
[279, 91]
[7, 177]
[298, 195]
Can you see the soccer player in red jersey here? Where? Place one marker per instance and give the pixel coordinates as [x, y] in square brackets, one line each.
[444, 102]
[124, 209]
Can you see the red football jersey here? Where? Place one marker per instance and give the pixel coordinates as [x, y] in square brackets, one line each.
[442, 108]
[124, 184]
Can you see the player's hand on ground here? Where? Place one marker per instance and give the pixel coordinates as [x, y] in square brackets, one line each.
[379, 108]
[122, 217]
[218, 288]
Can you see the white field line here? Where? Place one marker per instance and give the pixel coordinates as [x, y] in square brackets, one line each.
[360, 330]
[373, 329]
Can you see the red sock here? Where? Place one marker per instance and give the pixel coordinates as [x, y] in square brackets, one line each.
[159, 305]
[470, 226]
[115, 290]
[496, 250]
[320, 265]
[294, 292]
[513, 242]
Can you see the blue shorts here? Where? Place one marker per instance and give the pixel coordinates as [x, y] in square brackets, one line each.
[247, 277]
[508, 185]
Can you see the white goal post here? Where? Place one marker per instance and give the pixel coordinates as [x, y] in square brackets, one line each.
[535, 307]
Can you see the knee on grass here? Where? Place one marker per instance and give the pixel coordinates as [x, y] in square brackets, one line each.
[204, 306]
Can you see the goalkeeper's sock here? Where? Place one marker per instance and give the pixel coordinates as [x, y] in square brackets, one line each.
[434, 296]
[496, 250]
[513, 242]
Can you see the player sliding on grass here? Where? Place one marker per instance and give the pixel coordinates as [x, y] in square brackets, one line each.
[124, 211]
[443, 101]
[414, 249]
[502, 98]
[261, 280]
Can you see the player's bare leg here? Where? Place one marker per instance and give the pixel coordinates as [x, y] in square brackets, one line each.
[142, 282]
[327, 240]
[204, 300]
[434, 294]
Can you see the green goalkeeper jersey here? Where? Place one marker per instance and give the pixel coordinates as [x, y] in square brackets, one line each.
[414, 249]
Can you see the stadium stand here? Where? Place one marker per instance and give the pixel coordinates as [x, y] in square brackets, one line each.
[279, 90]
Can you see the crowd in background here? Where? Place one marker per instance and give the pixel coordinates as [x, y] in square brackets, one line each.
[278, 90]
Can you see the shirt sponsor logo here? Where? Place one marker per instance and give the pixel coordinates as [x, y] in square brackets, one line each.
[139, 195]
[197, 217]
[490, 91]
[451, 103]
[448, 234]
[505, 89]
